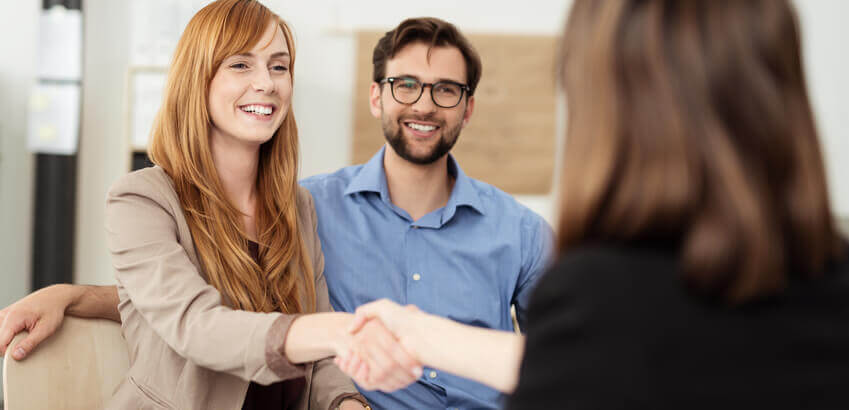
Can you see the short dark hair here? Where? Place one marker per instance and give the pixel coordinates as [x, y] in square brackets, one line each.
[430, 30]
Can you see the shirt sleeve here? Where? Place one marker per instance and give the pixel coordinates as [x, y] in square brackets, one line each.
[166, 288]
[537, 244]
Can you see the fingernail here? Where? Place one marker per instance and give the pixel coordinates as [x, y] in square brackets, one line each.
[19, 354]
[417, 371]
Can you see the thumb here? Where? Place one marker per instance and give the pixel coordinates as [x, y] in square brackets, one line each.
[359, 321]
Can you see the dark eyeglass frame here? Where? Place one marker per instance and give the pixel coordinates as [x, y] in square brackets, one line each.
[464, 90]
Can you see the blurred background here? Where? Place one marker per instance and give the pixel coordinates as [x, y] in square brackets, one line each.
[79, 83]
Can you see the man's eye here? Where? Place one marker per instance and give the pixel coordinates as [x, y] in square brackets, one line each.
[447, 90]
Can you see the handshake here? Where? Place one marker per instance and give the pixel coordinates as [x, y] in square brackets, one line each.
[382, 350]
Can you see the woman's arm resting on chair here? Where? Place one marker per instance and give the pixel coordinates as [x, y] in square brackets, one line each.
[41, 313]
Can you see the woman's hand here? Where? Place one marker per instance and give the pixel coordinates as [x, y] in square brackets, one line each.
[371, 365]
[398, 319]
[377, 361]
[39, 313]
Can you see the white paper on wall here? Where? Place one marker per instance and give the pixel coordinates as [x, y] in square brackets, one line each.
[155, 28]
[60, 44]
[54, 119]
[146, 97]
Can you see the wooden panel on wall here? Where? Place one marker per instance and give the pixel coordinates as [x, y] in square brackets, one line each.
[511, 137]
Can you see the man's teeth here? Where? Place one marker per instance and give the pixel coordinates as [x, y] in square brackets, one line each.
[257, 109]
[420, 127]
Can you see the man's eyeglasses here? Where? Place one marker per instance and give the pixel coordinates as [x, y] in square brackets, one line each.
[408, 90]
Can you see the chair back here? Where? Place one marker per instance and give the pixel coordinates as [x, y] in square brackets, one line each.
[79, 367]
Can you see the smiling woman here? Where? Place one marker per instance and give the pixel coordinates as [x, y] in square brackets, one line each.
[215, 248]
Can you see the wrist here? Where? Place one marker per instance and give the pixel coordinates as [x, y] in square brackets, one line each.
[340, 339]
[68, 294]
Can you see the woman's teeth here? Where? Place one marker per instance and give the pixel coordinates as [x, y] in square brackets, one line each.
[257, 109]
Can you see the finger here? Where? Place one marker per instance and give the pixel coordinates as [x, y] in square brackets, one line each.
[390, 313]
[404, 357]
[9, 328]
[362, 373]
[358, 371]
[399, 354]
[26, 346]
[385, 370]
[349, 364]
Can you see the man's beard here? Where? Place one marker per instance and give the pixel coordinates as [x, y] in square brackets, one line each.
[395, 137]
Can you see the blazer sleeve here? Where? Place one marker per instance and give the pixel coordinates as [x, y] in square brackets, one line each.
[167, 289]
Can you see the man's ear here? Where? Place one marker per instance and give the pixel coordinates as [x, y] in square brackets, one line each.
[470, 108]
[374, 103]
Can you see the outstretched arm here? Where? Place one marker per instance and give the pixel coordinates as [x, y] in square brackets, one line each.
[42, 312]
[491, 357]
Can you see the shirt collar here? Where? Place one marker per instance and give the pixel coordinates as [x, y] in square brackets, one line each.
[464, 193]
[372, 178]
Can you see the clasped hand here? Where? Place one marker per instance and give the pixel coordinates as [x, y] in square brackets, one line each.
[380, 355]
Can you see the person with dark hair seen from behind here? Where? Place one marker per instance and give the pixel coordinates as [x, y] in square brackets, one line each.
[700, 266]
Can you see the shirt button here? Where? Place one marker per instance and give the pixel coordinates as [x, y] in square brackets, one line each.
[432, 374]
[416, 276]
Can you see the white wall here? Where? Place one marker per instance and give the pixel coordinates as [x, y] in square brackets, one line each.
[324, 92]
[325, 67]
[826, 55]
[17, 66]
[323, 97]
[324, 31]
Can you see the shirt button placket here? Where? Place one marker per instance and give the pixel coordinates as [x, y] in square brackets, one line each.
[415, 293]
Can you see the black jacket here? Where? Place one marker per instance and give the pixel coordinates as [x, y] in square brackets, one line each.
[616, 328]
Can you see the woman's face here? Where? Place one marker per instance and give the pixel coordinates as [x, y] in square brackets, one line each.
[250, 93]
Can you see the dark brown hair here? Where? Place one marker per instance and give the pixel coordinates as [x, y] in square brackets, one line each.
[430, 30]
[689, 121]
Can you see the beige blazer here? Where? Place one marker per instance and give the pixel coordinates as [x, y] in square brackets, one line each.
[188, 350]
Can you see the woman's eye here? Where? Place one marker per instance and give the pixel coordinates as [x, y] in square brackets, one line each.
[239, 66]
[280, 68]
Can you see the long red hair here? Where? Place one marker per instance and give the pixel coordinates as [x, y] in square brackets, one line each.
[283, 278]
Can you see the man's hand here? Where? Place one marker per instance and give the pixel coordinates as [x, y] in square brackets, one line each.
[40, 314]
[376, 361]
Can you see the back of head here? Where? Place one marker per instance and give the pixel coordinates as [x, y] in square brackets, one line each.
[428, 30]
[689, 122]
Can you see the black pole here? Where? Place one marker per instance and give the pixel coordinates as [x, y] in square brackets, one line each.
[55, 204]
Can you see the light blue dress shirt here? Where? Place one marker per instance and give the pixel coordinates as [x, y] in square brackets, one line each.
[468, 261]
